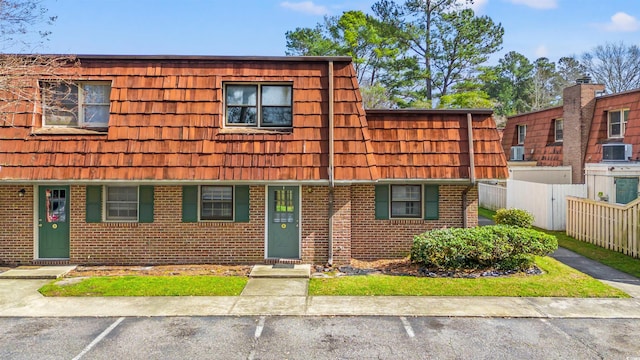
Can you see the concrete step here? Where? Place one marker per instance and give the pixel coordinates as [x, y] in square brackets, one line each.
[281, 271]
[37, 272]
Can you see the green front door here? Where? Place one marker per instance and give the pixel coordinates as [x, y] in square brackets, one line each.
[626, 190]
[283, 235]
[53, 222]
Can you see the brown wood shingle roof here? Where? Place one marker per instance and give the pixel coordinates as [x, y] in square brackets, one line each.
[166, 123]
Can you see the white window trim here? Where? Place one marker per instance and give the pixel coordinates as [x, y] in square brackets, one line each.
[105, 207]
[80, 105]
[258, 124]
[524, 136]
[421, 201]
[555, 130]
[233, 205]
[623, 123]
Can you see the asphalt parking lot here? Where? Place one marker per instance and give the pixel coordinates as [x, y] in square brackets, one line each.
[283, 337]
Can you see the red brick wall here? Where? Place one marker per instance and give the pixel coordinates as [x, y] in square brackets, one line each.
[315, 226]
[16, 224]
[376, 239]
[167, 240]
[170, 241]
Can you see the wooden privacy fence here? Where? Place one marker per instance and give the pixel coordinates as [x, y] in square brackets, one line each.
[614, 227]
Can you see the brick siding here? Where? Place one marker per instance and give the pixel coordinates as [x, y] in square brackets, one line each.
[170, 241]
[376, 239]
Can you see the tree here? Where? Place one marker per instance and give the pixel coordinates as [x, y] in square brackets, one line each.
[19, 74]
[546, 84]
[509, 84]
[352, 34]
[569, 70]
[20, 18]
[309, 42]
[464, 41]
[441, 42]
[617, 66]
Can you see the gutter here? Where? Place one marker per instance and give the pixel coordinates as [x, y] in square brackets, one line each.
[330, 169]
[472, 171]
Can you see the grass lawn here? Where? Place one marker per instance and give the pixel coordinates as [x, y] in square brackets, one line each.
[559, 280]
[149, 286]
[604, 256]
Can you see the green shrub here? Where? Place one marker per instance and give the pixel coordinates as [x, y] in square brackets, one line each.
[513, 217]
[499, 246]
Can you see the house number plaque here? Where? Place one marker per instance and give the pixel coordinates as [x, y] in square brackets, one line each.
[284, 226]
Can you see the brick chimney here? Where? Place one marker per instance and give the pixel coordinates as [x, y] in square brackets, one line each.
[578, 106]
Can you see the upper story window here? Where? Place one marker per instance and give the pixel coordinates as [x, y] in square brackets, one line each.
[79, 104]
[258, 105]
[522, 133]
[558, 128]
[617, 121]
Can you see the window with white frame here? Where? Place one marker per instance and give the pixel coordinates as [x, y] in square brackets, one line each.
[558, 129]
[121, 203]
[406, 201]
[82, 104]
[617, 122]
[216, 203]
[522, 133]
[258, 105]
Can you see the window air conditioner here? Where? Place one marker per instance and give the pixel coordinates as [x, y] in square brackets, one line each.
[517, 153]
[616, 152]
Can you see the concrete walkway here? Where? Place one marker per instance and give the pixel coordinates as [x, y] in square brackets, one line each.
[288, 296]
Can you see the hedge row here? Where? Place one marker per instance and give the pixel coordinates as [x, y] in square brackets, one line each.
[499, 246]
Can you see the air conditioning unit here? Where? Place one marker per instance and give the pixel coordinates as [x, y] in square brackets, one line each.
[517, 153]
[616, 152]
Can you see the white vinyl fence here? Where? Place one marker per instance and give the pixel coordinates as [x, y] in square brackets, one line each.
[492, 197]
[547, 202]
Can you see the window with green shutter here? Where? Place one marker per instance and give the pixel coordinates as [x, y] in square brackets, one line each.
[407, 202]
[431, 202]
[119, 203]
[215, 203]
[382, 202]
[93, 204]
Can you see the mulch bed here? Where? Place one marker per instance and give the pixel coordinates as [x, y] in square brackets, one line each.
[400, 267]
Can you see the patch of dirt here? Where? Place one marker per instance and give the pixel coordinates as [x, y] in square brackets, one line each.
[161, 270]
[402, 267]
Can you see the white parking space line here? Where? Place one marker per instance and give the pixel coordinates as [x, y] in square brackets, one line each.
[260, 327]
[407, 326]
[98, 339]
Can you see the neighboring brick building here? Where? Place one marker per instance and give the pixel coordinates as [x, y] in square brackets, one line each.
[169, 159]
[596, 135]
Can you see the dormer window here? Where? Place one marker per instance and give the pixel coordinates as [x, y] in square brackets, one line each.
[522, 133]
[82, 104]
[617, 121]
[558, 129]
[258, 105]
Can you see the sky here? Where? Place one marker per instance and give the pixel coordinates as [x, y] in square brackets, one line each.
[534, 28]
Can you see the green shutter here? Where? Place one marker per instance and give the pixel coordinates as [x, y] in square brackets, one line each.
[93, 204]
[146, 204]
[241, 199]
[431, 202]
[189, 204]
[382, 202]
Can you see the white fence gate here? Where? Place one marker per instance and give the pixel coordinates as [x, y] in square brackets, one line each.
[492, 197]
[547, 202]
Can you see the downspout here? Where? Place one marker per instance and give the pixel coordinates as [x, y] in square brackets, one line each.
[472, 171]
[330, 169]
